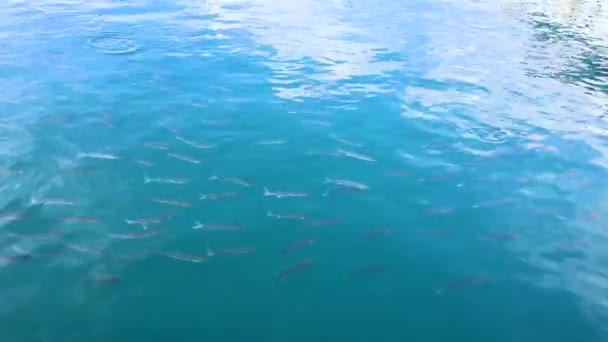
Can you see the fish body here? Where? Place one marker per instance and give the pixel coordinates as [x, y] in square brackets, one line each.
[219, 195]
[239, 181]
[184, 158]
[297, 267]
[286, 216]
[346, 183]
[52, 201]
[377, 233]
[163, 180]
[135, 235]
[355, 155]
[185, 257]
[178, 203]
[281, 194]
[194, 144]
[97, 155]
[216, 226]
[298, 244]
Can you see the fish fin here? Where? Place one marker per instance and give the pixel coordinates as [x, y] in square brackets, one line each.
[147, 180]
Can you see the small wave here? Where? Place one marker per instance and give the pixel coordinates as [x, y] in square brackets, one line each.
[113, 43]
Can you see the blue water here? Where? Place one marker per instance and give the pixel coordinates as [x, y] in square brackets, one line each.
[311, 170]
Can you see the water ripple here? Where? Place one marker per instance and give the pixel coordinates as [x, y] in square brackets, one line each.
[113, 43]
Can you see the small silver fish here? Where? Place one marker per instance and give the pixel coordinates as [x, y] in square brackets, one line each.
[185, 257]
[135, 235]
[142, 162]
[184, 158]
[194, 144]
[281, 194]
[163, 180]
[346, 142]
[216, 226]
[178, 203]
[347, 183]
[271, 142]
[239, 181]
[157, 146]
[52, 201]
[97, 155]
[286, 216]
[219, 195]
[355, 155]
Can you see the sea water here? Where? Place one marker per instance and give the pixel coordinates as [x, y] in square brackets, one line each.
[267, 170]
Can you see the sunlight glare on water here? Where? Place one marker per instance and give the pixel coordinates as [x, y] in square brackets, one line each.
[306, 171]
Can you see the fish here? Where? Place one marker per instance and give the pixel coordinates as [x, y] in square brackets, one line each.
[52, 201]
[219, 195]
[135, 235]
[80, 219]
[326, 221]
[174, 202]
[231, 251]
[184, 158]
[149, 220]
[42, 236]
[157, 146]
[439, 210]
[493, 203]
[271, 142]
[97, 155]
[346, 183]
[342, 190]
[367, 270]
[281, 194]
[377, 233]
[461, 283]
[218, 227]
[239, 181]
[286, 216]
[194, 144]
[185, 257]
[163, 180]
[355, 155]
[142, 162]
[346, 142]
[105, 279]
[298, 244]
[88, 250]
[21, 257]
[297, 267]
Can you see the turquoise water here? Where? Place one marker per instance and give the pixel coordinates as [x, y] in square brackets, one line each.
[270, 170]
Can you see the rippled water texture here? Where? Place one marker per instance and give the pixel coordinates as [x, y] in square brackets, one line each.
[268, 170]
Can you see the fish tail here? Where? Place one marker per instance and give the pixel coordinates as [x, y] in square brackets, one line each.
[198, 225]
[203, 196]
[129, 221]
[266, 191]
[212, 178]
[269, 214]
[210, 252]
[81, 155]
[327, 180]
